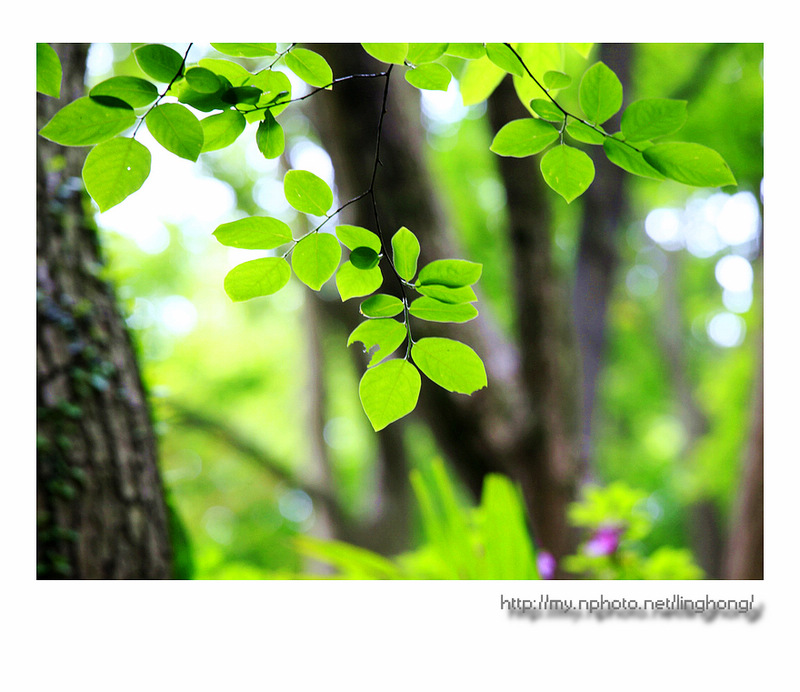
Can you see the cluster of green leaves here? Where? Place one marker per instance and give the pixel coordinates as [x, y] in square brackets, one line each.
[620, 508]
[490, 541]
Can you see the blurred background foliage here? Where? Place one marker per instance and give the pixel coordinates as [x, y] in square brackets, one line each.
[230, 383]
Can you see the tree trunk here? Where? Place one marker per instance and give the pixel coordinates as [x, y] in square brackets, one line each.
[100, 504]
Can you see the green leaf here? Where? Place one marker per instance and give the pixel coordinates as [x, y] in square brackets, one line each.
[48, 71]
[547, 110]
[196, 99]
[354, 237]
[568, 171]
[232, 71]
[254, 233]
[311, 67]
[245, 50]
[691, 164]
[136, 92]
[468, 51]
[276, 88]
[478, 80]
[389, 391]
[650, 118]
[353, 282]
[583, 133]
[600, 93]
[115, 169]
[221, 130]
[431, 76]
[203, 80]
[364, 258]
[502, 56]
[258, 277]
[554, 79]
[629, 159]
[176, 129]
[405, 250]
[269, 137]
[523, 137]
[387, 52]
[419, 53]
[351, 561]
[315, 258]
[385, 334]
[432, 310]
[160, 62]
[244, 95]
[450, 272]
[307, 192]
[461, 294]
[87, 121]
[450, 364]
[381, 305]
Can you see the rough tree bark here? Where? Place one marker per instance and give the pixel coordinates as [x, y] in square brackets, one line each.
[100, 506]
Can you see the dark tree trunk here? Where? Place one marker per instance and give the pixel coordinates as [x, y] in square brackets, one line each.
[100, 504]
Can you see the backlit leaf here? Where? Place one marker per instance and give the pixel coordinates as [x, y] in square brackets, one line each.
[380, 337]
[389, 391]
[176, 129]
[650, 118]
[478, 80]
[431, 76]
[254, 233]
[387, 52]
[523, 137]
[232, 71]
[553, 79]
[461, 294]
[307, 192]
[203, 80]
[547, 110]
[115, 169]
[583, 133]
[600, 93]
[88, 121]
[353, 282]
[419, 53]
[269, 137]
[450, 364]
[469, 51]
[160, 62]
[48, 70]
[502, 56]
[315, 258]
[450, 272]
[691, 164]
[567, 170]
[258, 277]
[311, 67]
[222, 129]
[245, 50]
[432, 310]
[381, 305]
[628, 159]
[354, 237]
[405, 251]
[136, 92]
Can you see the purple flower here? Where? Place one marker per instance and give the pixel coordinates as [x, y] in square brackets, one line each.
[605, 541]
[546, 564]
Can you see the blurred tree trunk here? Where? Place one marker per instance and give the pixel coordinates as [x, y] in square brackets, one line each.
[100, 504]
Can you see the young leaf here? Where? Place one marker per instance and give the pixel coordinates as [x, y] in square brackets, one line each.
[269, 137]
[354, 237]
[136, 92]
[568, 171]
[431, 76]
[432, 310]
[650, 118]
[556, 80]
[48, 70]
[479, 79]
[176, 129]
[203, 80]
[450, 272]
[454, 296]
[221, 130]
[389, 391]
[254, 233]
[387, 52]
[364, 258]
[523, 137]
[245, 50]
[307, 192]
[547, 110]
[353, 282]
[502, 56]
[450, 364]
[629, 159]
[583, 133]
[115, 169]
[381, 305]
[600, 93]
[315, 258]
[419, 53]
[468, 51]
[691, 164]
[162, 63]
[87, 121]
[311, 67]
[405, 250]
[258, 277]
[386, 334]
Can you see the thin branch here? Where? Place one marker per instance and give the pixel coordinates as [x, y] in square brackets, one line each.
[166, 91]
